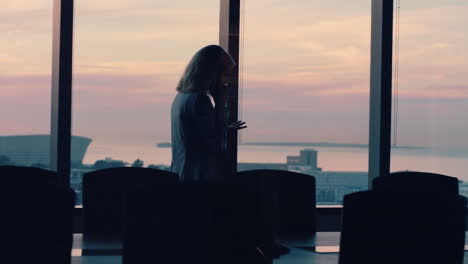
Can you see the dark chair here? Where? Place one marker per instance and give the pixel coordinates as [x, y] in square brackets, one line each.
[190, 223]
[37, 216]
[27, 175]
[398, 223]
[413, 181]
[103, 191]
[291, 194]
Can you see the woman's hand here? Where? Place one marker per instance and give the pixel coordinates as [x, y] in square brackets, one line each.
[238, 125]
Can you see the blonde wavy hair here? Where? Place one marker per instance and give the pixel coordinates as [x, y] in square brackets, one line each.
[204, 70]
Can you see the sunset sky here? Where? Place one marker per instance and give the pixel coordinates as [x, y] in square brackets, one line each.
[306, 68]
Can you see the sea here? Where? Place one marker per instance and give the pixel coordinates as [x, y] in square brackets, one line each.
[448, 161]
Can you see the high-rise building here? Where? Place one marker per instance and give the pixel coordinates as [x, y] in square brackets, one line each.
[309, 158]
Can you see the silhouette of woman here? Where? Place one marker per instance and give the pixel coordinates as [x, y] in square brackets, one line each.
[196, 130]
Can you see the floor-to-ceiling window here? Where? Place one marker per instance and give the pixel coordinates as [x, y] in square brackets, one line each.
[430, 104]
[305, 91]
[25, 79]
[128, 58]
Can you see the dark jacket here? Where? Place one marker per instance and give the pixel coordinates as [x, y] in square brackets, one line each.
[195, 137]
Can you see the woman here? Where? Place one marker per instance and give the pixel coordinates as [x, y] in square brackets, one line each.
[196, 129]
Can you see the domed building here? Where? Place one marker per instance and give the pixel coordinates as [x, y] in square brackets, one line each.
[27, 150]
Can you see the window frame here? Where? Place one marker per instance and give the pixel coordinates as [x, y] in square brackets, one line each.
[229, 28]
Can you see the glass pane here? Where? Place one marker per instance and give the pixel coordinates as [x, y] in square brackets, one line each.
[25, 79]
[430, 121]
[129, 56]
[306, 91]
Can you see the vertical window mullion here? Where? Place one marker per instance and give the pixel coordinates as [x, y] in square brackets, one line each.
[62, 55]
[229, 28]
[380, 88]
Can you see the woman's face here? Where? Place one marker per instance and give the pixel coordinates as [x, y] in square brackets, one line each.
[227, 74]
[225, 79]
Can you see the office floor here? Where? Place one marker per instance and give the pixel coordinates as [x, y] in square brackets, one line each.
[97, 260]
[298, 257]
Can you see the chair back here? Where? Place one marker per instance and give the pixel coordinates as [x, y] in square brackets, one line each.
[37, 216]
[23, 175]
[402, 227]
[193, 222]
[103, 192]
[292, 194]
[414, 181]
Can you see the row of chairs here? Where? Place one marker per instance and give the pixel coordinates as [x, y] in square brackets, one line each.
[140, 205]
[405, 218]
[250, 209]
[104, 194]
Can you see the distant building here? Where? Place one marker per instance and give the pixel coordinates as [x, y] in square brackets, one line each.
[331, 186]
[261, 166]
[463, 186]
[307, 157]
[293, 160]
[342, 178]
[30, 150]
[76, 182]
